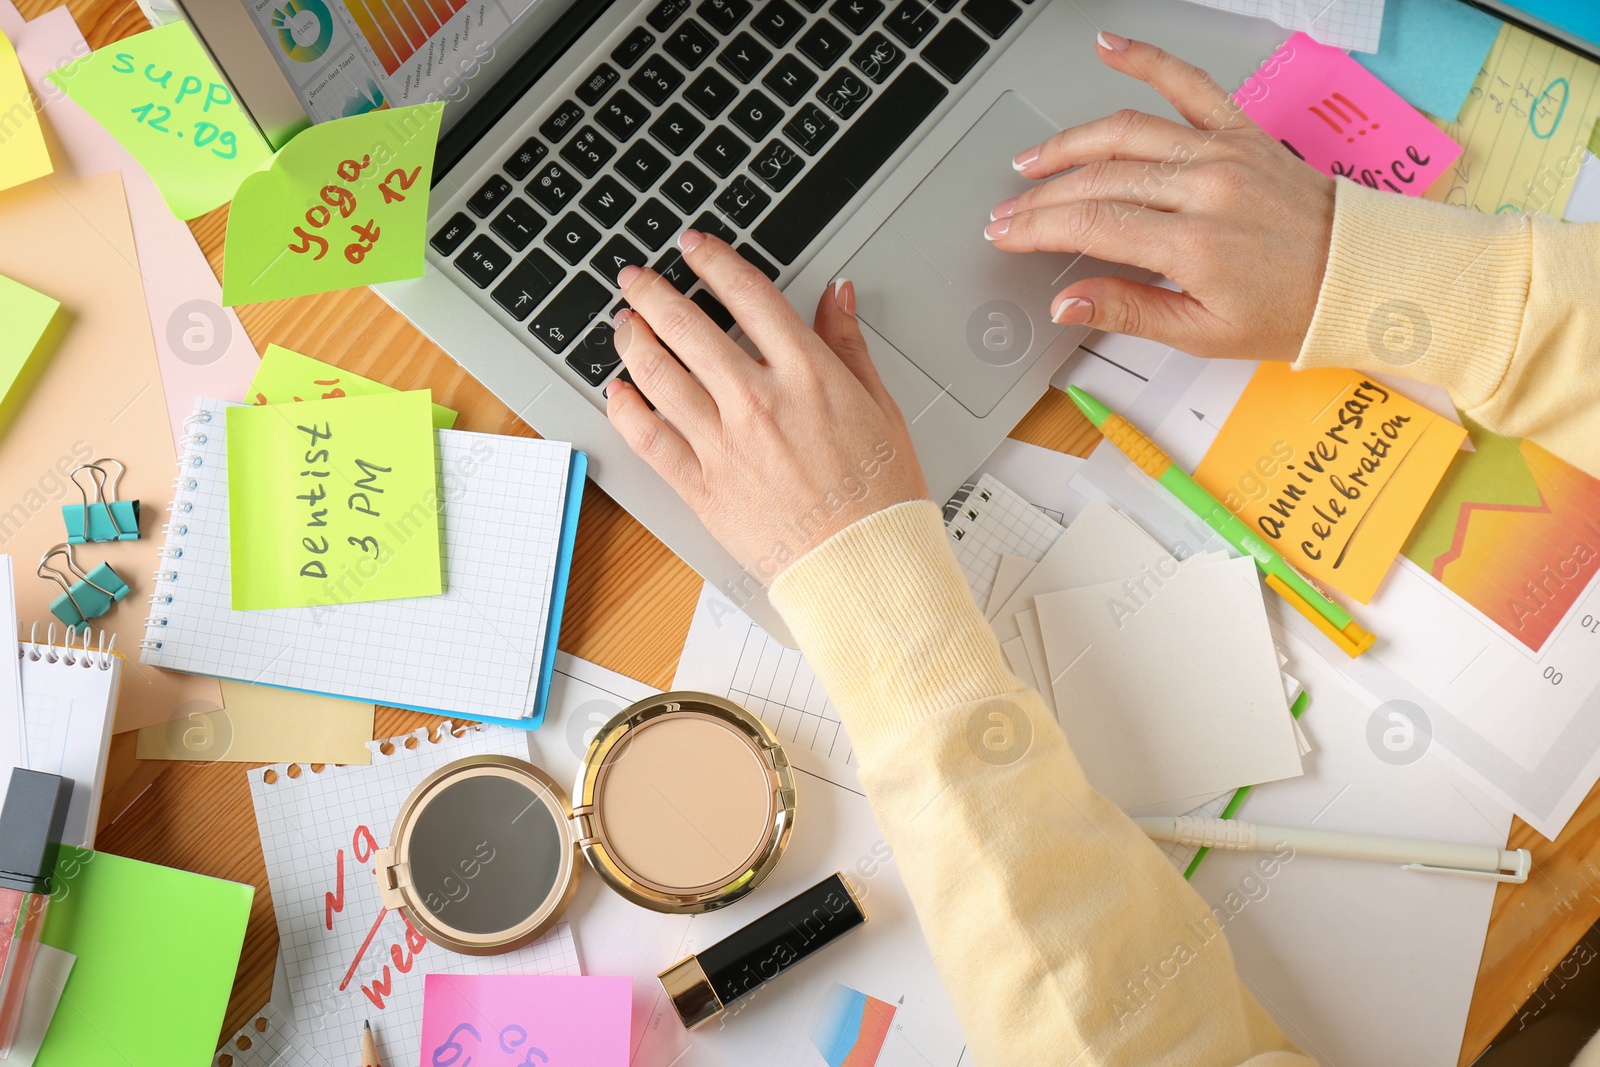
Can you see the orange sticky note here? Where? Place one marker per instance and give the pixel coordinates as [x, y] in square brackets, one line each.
[1332, 468]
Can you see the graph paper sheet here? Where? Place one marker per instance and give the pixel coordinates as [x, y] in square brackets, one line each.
[994, 520]
[318, 832]
[270, 1039]
[473, 650]
[1354, 25]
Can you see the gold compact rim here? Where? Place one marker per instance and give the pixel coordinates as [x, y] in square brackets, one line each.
[590, 799]
[392, 865]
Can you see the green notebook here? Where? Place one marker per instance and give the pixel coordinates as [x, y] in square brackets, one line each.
[157, 950]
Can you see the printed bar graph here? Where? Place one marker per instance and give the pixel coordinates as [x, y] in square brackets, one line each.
[398, 29]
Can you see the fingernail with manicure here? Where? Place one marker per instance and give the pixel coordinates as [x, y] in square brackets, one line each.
[622, 333]
[615, 386]
[1025, 159]
[626, 276]
[1072, 311]
[690, 240]
[997, 229]
[1114, 41]
[844, 295]
[1004, 210]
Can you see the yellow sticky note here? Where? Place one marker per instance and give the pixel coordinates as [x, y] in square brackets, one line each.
[262, 724]
[23, 156]
[1332, 468]
[286, 376]
[159, 94]
[1523, 128]
[333, 501]
[30, 325]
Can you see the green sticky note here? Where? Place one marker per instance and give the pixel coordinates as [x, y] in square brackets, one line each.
[157, 950]
[333, 501]
[344, 204]
[158, 93]
[285, 376]
[32, 327]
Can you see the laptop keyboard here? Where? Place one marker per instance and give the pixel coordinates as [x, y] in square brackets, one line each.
[755, 123]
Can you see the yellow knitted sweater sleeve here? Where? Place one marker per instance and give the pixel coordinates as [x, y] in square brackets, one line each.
[1062, 934]
[1502, 310]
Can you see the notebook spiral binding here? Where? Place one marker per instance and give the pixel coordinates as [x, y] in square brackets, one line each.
[387, 748]
[165, 577]
[961, 508]
[92, 653]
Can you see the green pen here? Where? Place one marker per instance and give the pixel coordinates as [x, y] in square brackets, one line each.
[1287, 582]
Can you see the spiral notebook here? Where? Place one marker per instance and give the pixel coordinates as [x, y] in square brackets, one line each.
[987, 519]
[482, 649]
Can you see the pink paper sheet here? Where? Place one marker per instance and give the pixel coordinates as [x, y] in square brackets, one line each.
[1337, 116]
[500, 1019]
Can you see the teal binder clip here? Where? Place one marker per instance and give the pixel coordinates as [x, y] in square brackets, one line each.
[84, 596]
[108, 518]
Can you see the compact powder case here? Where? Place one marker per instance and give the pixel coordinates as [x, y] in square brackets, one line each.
[684, 803]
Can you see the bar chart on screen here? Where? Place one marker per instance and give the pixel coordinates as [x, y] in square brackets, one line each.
[396, 31]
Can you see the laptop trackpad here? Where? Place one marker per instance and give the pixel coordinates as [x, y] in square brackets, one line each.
[972, 317]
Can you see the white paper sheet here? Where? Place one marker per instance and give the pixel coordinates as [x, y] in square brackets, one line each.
[1007, 577]
[1354, 25]
[1583, 205]
[13, 739]
[51, 968]
[1040, 475]
[1033, 648]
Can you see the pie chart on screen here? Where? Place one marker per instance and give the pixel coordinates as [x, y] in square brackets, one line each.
[305, 29]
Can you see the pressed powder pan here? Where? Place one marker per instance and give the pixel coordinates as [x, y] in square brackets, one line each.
[685, 802]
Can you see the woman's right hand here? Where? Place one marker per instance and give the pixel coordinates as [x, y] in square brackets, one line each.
[1219, 207]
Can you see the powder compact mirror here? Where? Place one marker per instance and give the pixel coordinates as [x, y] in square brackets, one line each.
[684, 803]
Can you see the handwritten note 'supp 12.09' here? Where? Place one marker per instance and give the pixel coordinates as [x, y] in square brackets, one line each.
[1331, 112]
[158, 93]
[333, 501]
[344, 204]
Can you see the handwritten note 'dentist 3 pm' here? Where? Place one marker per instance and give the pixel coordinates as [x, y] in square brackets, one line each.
[333, 501]
[1332, 468]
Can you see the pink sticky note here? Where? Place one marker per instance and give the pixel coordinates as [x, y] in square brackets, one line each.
[1334, 114]
[513, 1020]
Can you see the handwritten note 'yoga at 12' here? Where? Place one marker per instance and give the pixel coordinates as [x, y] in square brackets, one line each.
[526, 1020]
[1332, 468]
[158, 93]
[1333, 113]
[333, 501]
[344, 204]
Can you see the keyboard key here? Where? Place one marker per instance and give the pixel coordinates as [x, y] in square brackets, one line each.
[810, 129]
[778, 22]
[558, 125]
[672, 267]
[877, 57]
[744, 57]
[524, 159]
[596, 355]
[742, 201]
[722, 151]
[843, 94]
[690, 44]
[687, 187]
[607, 201]
[676, 129]
[642, 165]
[572, 237]
[823, 44]
[518, 223]
[623, 115]
[708, 222]
[525, 288]
[553, 186]
[656, 80]
[849, 165]
[755, 115]
[759, 261]
[633, 48]
[664, 14]
[857, 15]
[790, 80]
[777, 164]
[653, 223]
[449, 238]
[598, 84]
[711, 93]
[617, 253]
[911, 22]
[954, 50]
[565, 317]
[946, 5]
[811, 5]
[485, 200]
[714, 310]
[723, 15]
[588, 151]
[993, 17]
[483, 261]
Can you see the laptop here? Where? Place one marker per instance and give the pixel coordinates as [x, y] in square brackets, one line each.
[822, 138]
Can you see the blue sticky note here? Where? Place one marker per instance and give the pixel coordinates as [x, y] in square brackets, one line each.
[1431, 51]
[1581, 19]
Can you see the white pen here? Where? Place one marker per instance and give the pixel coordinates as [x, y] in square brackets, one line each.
[1437, 857]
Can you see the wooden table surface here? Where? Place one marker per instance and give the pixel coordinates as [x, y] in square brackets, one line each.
[628, 608]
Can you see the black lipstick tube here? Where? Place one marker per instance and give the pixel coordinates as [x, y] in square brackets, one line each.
[703, 985]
